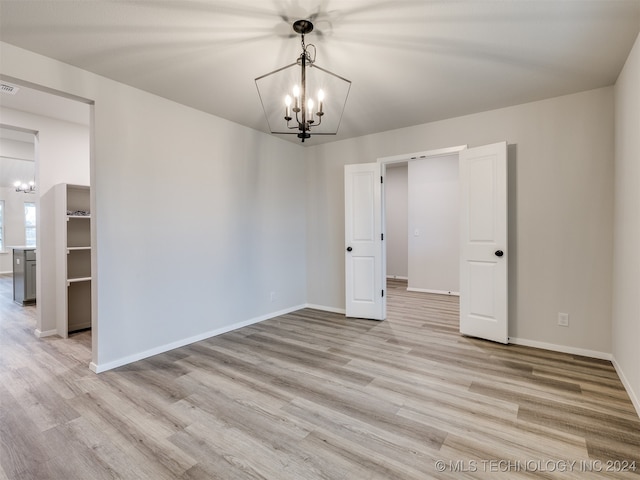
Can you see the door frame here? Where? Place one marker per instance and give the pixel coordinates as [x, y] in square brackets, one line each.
[41, 285]
[406, 157]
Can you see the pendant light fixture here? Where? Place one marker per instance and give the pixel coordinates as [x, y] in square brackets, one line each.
[25, 187]
[303, 98]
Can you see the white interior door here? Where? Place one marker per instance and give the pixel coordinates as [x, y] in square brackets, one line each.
[363, 241]
[483, 249]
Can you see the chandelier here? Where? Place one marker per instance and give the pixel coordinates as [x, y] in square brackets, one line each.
[25, 187]
[302, 97]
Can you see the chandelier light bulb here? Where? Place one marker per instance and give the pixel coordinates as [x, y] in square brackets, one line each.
[296, 96]
[310, 106]
[25, 187]
[287, 109]
[320, 100]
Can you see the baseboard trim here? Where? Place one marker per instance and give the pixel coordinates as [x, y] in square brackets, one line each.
[627, 385]
[326, 309]
[83, 326]
[561, 348]
[438, 292]
[397, 277]
[103, 367]
[46, 333]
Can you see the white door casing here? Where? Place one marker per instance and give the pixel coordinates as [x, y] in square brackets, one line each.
[483, 242]
[363, 242]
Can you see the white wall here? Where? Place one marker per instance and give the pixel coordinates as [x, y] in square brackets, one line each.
[62, 157]
[561, 210]
[13, 224]
[197, 219]
[396, 195]
[18, 151]
[421, 197]
[626, 273]
[434, 225]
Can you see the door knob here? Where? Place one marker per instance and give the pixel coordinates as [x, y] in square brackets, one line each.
[499, 253]
[349, 249]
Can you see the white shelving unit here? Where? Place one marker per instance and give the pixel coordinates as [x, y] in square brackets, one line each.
[73, 259]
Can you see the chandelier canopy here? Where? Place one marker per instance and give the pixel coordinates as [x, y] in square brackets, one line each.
[303, 98]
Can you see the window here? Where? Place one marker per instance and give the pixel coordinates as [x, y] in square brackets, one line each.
[30, 224]
[1, 225]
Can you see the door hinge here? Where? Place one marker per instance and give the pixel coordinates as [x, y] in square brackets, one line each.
[381, 179]
[382, 236]
[383, 293]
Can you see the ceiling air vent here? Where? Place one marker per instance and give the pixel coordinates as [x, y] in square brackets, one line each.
[9, 89]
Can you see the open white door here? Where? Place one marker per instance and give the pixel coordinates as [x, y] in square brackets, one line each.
[363, 241]
[483, 249]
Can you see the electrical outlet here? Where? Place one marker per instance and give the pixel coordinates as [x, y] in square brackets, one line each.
[563, 319]
[273, 296]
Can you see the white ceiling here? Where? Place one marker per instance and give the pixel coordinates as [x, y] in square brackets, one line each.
[410, 61]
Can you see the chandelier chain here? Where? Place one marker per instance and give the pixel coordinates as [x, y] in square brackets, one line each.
[305, 51]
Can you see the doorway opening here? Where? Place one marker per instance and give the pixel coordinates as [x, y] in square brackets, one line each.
[18, 206]
[62, 126]
[421, 223]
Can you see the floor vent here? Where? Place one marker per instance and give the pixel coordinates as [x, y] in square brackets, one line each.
[9, 89]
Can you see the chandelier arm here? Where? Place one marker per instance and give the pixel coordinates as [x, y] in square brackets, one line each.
[275, 71]
[332, 74]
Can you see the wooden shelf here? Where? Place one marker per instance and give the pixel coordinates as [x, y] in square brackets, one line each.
[74, 249]
[78, 263]
[73, 240]
[78, 233]
[78, 306]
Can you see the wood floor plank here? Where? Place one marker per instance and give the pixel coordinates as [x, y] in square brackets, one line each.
[309, 395]
[239, 451]
[141, 439]
[21, 446]
[380, 443]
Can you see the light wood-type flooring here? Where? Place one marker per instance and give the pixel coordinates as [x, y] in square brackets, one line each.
[312, 395]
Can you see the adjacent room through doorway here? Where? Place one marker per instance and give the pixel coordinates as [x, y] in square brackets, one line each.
[421, 202]
[60, 127]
